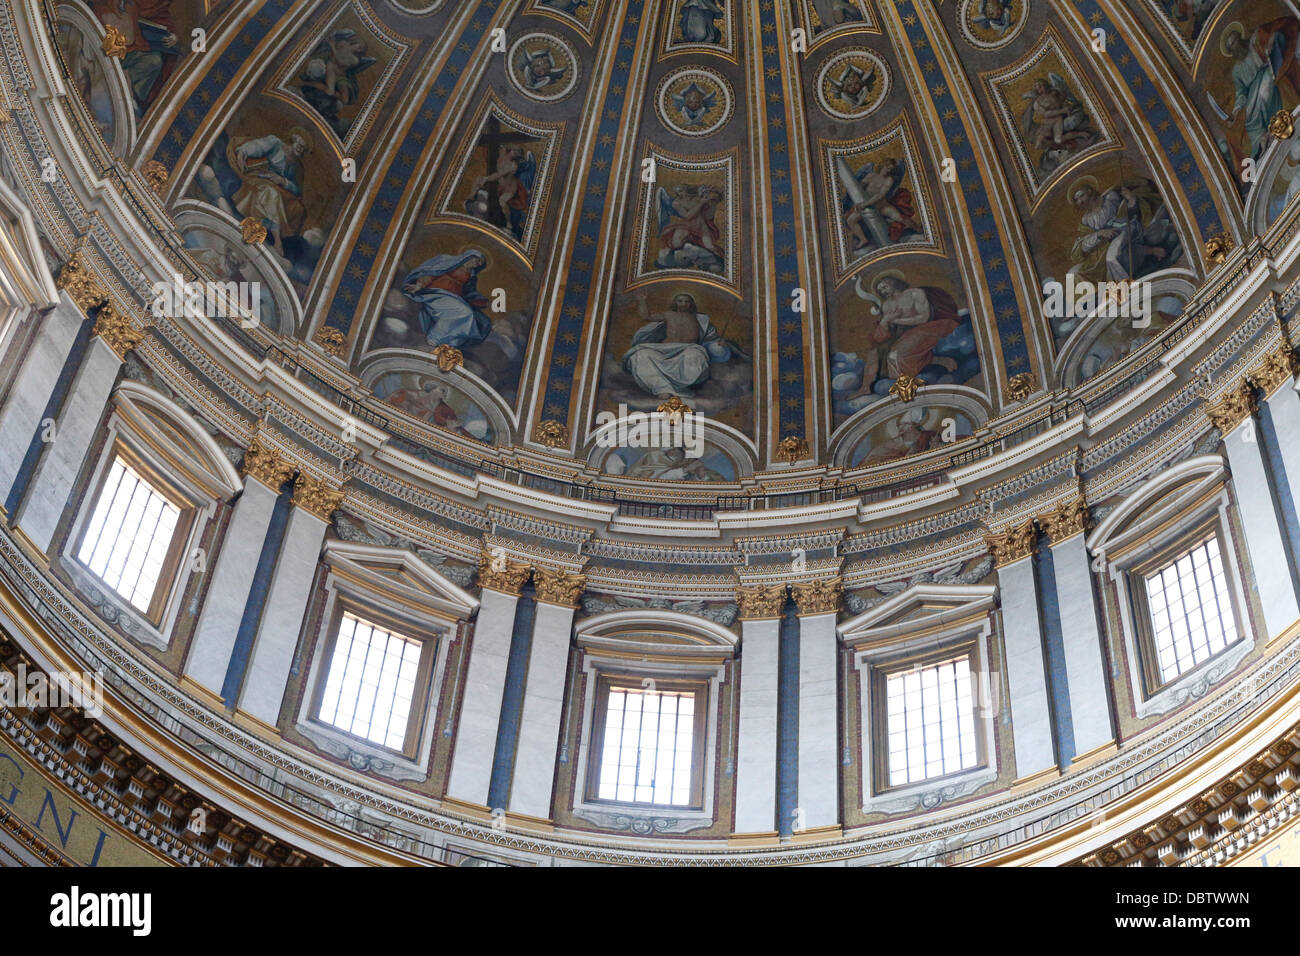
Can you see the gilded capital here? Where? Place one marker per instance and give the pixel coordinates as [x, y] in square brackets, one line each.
[81, 284]
[759, 603]
[558, 587]
[1277, 369]
[116, 330]
[266, 465]
[822, 596]
[1231, 408]
[316, 496]
[1010, 546]
[497, 572]
[1066, 521]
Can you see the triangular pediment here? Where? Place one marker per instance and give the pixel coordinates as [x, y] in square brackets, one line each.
[400, 575]
[920, 607]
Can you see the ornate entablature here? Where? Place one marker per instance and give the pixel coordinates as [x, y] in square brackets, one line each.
[897, 433]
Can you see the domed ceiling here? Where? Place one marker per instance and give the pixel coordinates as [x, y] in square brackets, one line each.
[507, 217]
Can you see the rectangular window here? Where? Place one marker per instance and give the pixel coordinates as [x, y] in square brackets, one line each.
[372, 682]
[128, 541]
[930, 721]
[1192, 616]
[649, 744]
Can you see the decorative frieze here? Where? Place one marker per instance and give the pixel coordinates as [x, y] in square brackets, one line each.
[823, 596]
[1010, 546]
[1231, 408]
[497, 572]
[1066, 521]
[316, 496]
[758, 603]
[116, 330]
[1278, 368]
[81, 284]
[558, 587]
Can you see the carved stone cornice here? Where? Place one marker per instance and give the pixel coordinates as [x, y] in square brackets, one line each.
[558, 587]
[823, 596]
[1278, 368]
[1066, 521]
[266, 465]
[81, 284]
[316, 496]
[498, 573]
[1011, 546]
[116, 330]
[758, 603]
[1231, 408]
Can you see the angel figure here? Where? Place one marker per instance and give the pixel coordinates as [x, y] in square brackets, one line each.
[515, 171]
[689, 237]
[833, 13]
[878, 210]
[694, 104]
[1054, 122]
[539, 69]
[855, 85]
[911, 433]
[329, 79]
[995, 15]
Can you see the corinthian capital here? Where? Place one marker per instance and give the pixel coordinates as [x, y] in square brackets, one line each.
[1278, 368]
[1010, 546]
[498, 573]
[1066, 521]
[1231, 408]
[316, 496]
[265, 464]
[81, 284]
[822, 596]
[116, 330]
[558, 587]
[759, 603]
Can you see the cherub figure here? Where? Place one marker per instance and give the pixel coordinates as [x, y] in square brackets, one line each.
[855, 85]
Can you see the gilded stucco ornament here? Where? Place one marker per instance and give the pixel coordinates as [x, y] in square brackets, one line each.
[81, 284]
[448, 358]
[758, 603]
[330, 339]
[316, 496]
[905, 388]
[114, 42]
[1218, 247]
[1020, 387]
[1012, 545]
[253, 231]
[1278, 368]
[791, 449]
[1066, 521]
[499, 573]
[1231, 408]
[822, 596]
[674, 408]
[1281, 126]
[116, 330]
[156, 175]
[265, 464]
[558, 587]
[553, 434]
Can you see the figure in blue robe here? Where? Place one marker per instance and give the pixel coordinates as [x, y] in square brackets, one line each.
[699, 21]
[451, 308]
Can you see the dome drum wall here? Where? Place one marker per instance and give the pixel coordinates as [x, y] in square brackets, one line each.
[392, 488]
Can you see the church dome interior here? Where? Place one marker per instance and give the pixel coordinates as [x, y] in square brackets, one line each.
[650, 432]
